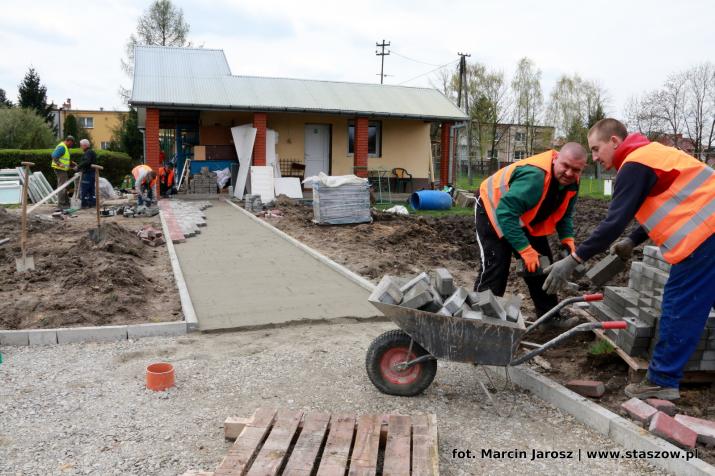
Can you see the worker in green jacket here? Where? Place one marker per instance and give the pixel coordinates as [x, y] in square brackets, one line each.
[518, 208]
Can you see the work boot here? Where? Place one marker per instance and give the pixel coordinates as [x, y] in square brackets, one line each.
[563, 320]
[647, 389]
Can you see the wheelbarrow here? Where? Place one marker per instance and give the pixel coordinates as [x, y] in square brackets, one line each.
[403, 361]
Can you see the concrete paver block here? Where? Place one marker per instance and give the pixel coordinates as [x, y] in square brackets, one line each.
[664, 406]
[419, 295]
[490, 306]
[42, 336]
[638, 328]
[605, 270]
[422, 277]
[91, 334]
[512, 307]
[639, 410]
[455, 301]
[471, 314]
[157, 329]
[704, 428]
[14, 338]
[587, 388]
[387, 291]
[444, 312]
[670, 429]
[443, 281]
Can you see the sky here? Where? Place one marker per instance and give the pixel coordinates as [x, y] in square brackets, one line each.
[628, 46]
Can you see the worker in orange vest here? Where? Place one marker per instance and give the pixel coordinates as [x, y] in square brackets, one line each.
[517, 209]
[672, 196]
[166, 180]
[144, 184]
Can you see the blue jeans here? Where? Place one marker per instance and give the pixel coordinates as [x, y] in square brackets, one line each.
[149, 195]
[86, 190]
[688, 297]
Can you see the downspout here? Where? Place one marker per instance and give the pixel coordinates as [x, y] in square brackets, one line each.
[452, 129]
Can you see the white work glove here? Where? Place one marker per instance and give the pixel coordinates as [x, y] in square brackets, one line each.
[559, 274]
[623, 248]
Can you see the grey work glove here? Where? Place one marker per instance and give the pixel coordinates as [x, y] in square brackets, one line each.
[559, 274]
[623, 248]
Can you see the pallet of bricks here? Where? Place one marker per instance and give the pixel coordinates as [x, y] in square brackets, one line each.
[639, 304]
[204, 182]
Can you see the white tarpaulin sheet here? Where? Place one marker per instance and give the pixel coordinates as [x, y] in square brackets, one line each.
[288, 186]
[243, 138]
[262, 183]
[335, 180]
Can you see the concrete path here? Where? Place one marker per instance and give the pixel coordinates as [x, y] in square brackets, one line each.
[240, 274]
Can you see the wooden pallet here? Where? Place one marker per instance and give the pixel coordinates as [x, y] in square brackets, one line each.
[293, 443]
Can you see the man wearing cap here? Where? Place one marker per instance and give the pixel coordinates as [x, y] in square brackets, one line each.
[61, 164]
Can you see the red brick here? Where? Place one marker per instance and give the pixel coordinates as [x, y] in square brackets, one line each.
[587, 388]
[151, 135]
[704, 428]
[444, 154]
[260, 121]
[639, 410]
[664, 406]
[668, 428]
[360, 147]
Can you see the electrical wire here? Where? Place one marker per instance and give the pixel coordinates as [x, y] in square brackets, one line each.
[431, 71]
[412, 59]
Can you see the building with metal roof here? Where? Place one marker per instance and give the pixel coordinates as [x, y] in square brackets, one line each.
[188, 98]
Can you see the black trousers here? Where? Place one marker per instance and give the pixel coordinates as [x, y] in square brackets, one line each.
[496, 256]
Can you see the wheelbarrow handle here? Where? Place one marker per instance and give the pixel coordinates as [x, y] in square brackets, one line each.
[614, 325]
[593, 297]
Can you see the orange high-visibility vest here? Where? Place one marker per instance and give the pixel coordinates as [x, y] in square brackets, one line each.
[142, 171]
[683, 216]
[493, 188]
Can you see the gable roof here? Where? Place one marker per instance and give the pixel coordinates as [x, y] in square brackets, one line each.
[201, 79]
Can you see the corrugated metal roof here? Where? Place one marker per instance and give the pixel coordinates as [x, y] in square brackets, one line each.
[200, 78]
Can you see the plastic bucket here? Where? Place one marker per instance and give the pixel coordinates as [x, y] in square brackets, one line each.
[159, 376]
[430, 200]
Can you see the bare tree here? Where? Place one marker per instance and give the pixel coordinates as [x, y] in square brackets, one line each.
[162, 24]
[699, 101]
[669, 103]
[575, 105]
[528, 98]
[641, 115]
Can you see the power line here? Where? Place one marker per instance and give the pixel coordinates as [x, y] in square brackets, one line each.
[430, 71]
[382, 58]
[412, 59]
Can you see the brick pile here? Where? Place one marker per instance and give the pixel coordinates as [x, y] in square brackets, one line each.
[639, 304]
[204, 182]
[151, 236]
[435, 292]
[252, 203]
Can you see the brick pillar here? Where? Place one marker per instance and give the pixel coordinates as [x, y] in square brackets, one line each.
[444, 155]
[360, 147]
[151, 136]
[260, 120]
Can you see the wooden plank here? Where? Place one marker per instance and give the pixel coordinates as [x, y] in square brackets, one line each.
[275, 449]
[304, 457]
[244, 450]
[425, 445]
[397, 448]
[233, 426]
[363, 461]
[337, 449]
[636, 363]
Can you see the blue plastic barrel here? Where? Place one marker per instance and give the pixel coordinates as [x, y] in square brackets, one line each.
[430, 200]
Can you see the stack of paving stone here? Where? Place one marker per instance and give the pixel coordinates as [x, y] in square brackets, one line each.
[252, 203]
[203, 182]
[348, 203]
[188, 215]
[435, 292]
[639, 304]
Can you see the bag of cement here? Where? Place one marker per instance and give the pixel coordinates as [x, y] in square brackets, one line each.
[349, 203]
[106, 189]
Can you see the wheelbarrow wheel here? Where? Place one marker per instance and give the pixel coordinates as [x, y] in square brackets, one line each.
[392, 348]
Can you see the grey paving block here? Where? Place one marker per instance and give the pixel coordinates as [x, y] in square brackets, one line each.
[42, 336]
[432, 307]
[14, 338]
[157, 329]
[419, 295]
[707, 365]
[91, 334]
[602, 312]
[444, 312]
[708, 355]
[422, 277]
[638, 328]
[455, 301]
[491, 307]
[512, 307]
[464, 308]
[620, 298]
[631, 312]
[648, 315]
[443, 281]
[387, 291]
[605, 270]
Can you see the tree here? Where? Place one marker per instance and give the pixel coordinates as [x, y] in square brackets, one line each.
[73, 128]
[700, 106]
[4, 101]
[33, 95]
[528, 98]
[127, 137]
[162, 24]
[575, 105]
[24, 129]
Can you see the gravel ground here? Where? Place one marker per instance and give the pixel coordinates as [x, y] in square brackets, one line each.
[83, 408]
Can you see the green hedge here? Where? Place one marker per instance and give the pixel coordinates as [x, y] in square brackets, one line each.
[116, 164]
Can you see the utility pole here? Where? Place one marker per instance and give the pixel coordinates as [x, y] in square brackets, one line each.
[464, 87]
[382, 54]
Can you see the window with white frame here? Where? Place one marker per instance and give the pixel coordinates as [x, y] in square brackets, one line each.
[519, 154]
[86, 122]
[105, 145]
[520, 136]
[374, 138]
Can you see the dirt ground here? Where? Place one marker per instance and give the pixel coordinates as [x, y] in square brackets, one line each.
[77, 282]
[406, 245]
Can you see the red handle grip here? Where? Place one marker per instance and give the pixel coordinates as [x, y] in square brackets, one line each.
[614, 325]
[593, 297]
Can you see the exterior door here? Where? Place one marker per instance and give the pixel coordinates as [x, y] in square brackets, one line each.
[317, 149]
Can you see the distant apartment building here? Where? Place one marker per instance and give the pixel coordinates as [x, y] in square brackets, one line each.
[99, 123]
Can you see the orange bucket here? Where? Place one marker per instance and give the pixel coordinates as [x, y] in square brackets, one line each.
[159, 376]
